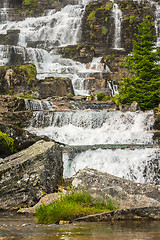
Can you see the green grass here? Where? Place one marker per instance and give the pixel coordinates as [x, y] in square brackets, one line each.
[72, 205]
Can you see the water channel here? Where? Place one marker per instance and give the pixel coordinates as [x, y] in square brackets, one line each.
[16, 226]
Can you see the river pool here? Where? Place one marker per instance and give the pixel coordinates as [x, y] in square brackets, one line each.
[17, 226]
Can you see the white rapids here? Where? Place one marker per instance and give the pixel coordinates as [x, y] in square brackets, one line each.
[76, 128]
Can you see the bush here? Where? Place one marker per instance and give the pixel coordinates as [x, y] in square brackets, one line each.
[102, 97]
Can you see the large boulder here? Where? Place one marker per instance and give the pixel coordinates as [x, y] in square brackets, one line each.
[17, 79]
[29, 174]
[125, 193]
[55, 86]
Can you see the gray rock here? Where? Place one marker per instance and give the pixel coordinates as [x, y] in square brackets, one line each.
[124, 193]
[132, 108]
[28, 174]
[145, 213]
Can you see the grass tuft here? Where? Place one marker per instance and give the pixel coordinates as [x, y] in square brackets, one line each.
[70, 206]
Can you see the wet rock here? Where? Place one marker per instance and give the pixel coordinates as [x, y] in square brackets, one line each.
[125, 193]
[81, 53]
[47, 199]
[55, 86]
[11, 38]
[25, 176]
[17, 79]
[132, 108]
[144, 213]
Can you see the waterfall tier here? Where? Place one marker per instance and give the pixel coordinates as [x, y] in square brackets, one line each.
[101, 127]
[51, 31]
[135, 162]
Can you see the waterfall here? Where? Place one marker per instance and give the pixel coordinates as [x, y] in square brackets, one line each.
[37, 105]
[113, 87]
[83, 127]
[138, 165]
[129, 136]
[157, 22]
[52, 30]
[3, 12]
[117, 14]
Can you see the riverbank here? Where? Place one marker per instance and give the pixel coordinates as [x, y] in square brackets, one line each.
[17, 226]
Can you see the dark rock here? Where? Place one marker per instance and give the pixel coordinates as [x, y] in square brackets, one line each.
[11, 38]
[81, 53]
[157, 124]
[144, 213]
[27, 175]
[55, 86]
[125, 193]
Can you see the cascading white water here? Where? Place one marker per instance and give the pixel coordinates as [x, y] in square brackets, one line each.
[157, 21]
[37, 105]
[54, 29]
[96, 128]
[101, 127]
[117, 14]
[3, 11]
[138, 165]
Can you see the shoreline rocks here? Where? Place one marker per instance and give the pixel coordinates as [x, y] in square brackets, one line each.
[124, 193]
[145, 213]
[29, 174]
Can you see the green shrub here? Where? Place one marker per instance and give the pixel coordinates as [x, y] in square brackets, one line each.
[100, 96]
[106, 98]
[70, 206]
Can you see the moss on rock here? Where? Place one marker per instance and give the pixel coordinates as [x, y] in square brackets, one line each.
[19, 78]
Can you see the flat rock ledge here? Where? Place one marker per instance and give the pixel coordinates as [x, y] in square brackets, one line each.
[29, 174]
[145, 213]
[124, 193]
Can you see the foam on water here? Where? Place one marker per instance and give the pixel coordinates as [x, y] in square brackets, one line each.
[137, 165]
[88, 127]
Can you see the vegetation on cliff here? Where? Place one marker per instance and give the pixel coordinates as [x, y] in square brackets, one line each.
[6, 144]
[72, 205]
[36, 7]
[144, 86]
[17, 78]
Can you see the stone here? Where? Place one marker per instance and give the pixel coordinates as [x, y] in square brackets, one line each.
[29, 174]
[132, 108]
[144, 213]
[46, 199]
[55, 86]
[17, 79]
[11, 38]
[124, 193]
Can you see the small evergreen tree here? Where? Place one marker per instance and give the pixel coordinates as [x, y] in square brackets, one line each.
[144, 86]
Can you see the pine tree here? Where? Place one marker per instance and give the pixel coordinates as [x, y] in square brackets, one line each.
[144, 62]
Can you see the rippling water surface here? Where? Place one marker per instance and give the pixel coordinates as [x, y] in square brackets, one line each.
[14, 226]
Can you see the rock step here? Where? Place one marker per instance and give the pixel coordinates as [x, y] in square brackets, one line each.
[144, 213]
